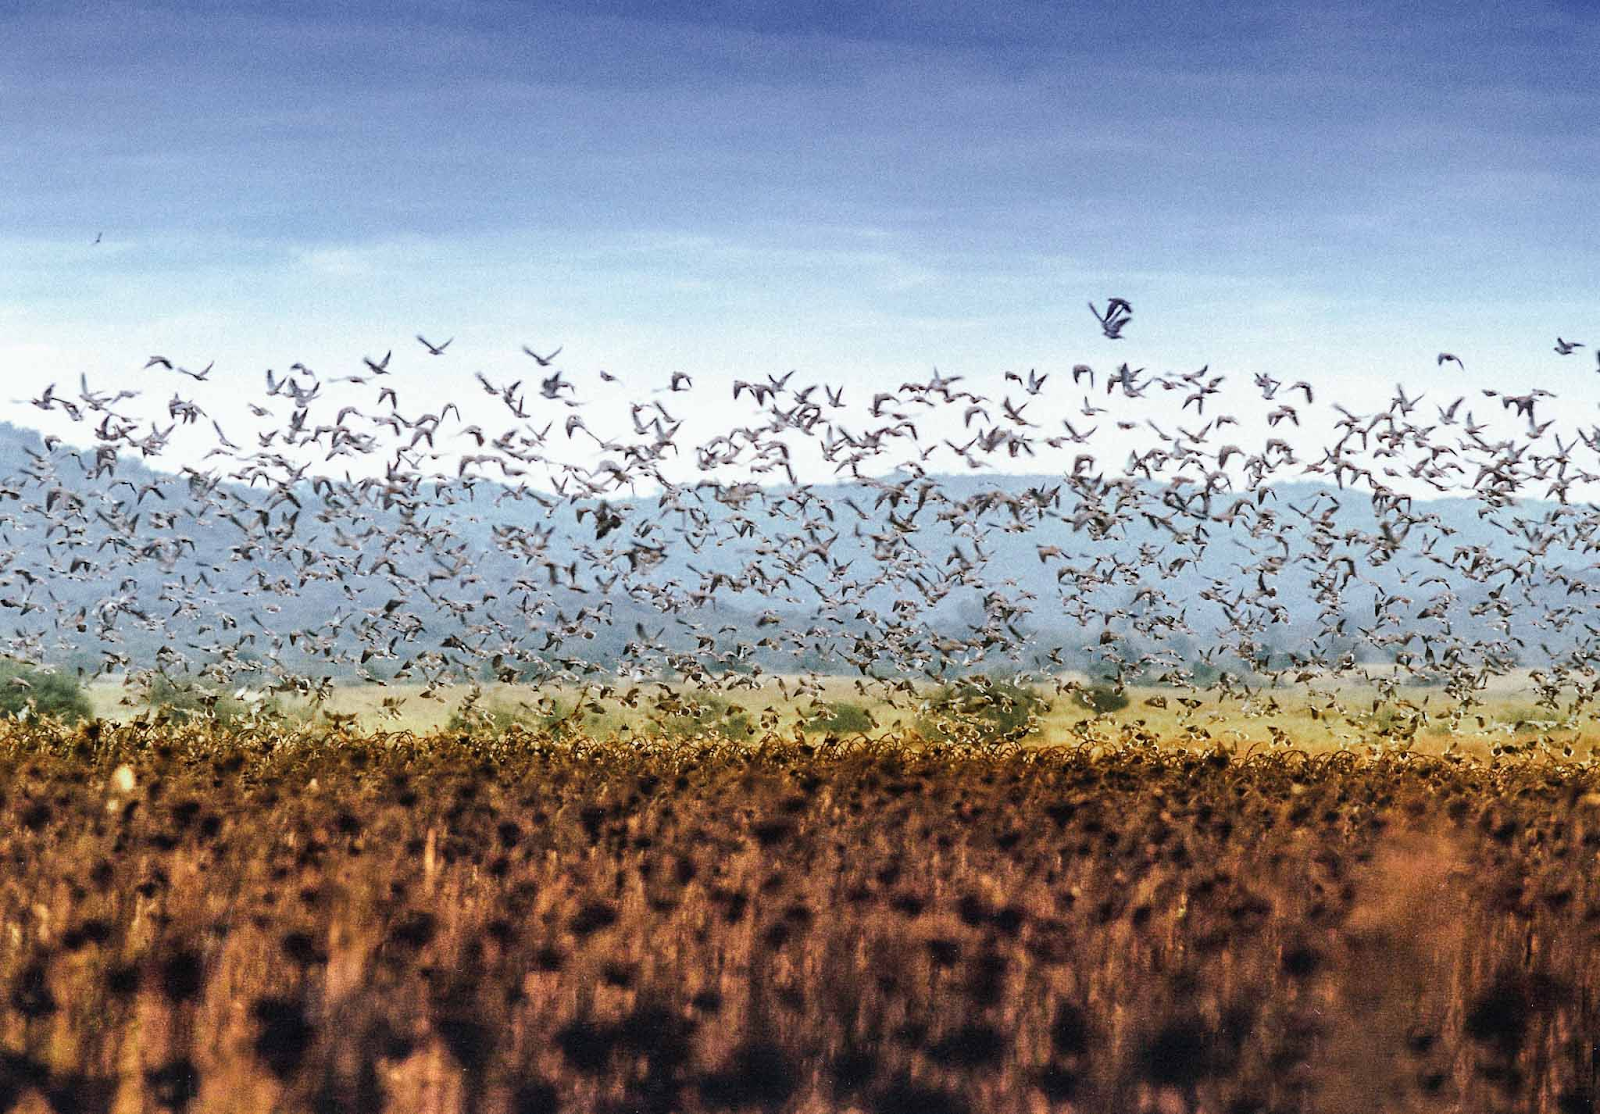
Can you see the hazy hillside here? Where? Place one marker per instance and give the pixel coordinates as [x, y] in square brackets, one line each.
[949, 572]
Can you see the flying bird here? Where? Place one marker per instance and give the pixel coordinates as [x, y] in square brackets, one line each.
[1566, 347]
[1451, 357]
[551, 387]
[543, 361]
[1032, 383]
[434, 349]
[1117, 315]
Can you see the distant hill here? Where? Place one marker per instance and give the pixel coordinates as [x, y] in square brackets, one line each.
[934, 573]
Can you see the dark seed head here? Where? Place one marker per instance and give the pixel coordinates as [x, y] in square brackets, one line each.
[1179, 1054]
[284, 1034]
[30, 993]
[415, 930]
[181, 976]
[122, 980]
[1301, 961]
[971, 1046]
[535, 1096]
[1499, 1017]
[175, 1083]
[301, 949]
[587, 1045]
[592, 917]
[758, 1074]
[1069, 1033]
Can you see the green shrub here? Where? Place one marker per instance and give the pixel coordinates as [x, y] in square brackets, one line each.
[987, 707]
[174, 700]
[702, 714]
[498, 717]
[183, 701]
[842, 718]
[47, 692]
[1425, 679]
[1526, 717]
[1102, 698]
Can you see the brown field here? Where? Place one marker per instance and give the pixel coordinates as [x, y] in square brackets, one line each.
[293, 920]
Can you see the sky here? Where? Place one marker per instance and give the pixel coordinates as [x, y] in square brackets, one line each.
[862, 191]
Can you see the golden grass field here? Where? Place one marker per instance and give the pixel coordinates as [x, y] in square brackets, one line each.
[1315, 718]
[293, 918]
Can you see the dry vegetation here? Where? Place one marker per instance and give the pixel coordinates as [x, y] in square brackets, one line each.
[290, 919]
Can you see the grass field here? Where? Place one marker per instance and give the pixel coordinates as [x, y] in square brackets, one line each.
[1315, 718]
[293, 919]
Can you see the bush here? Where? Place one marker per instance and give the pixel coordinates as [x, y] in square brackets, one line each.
[989, 707]
[702, 715]
[1103, 698]
[498, 717]
[842, 718]
[186, 701]
[1425, 679]
[495, 718]
[47, 692]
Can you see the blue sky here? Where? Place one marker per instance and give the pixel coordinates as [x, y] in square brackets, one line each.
[861, 191]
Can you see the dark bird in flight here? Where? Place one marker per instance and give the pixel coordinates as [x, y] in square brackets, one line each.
[1565, 347]
[434, 349]
[551, 387]
[379, 367]
[1451, 357]
[1117, 315]
[1032, 383]
[543, 361]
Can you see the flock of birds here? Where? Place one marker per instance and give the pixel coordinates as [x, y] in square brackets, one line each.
[505, 547]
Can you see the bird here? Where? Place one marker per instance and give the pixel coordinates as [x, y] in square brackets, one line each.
[1451, 357]
[504, 551]
[1117, 315]
[1032, 384]
[434, 349]
[552, 386]
[1566, 347]
[97, 236]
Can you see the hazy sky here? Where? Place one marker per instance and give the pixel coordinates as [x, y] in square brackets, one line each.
[861, 191]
